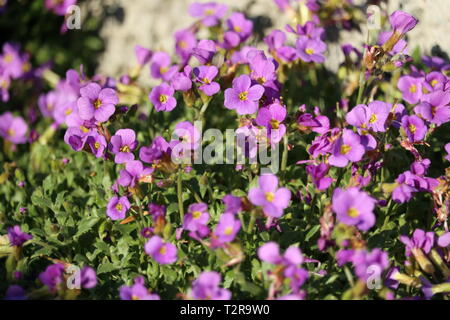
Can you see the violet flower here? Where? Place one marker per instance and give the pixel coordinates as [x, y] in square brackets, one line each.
[52, 276]
[402, 22]
[204, 75]
[162, 97]
[162, 252]
[209, 12]
[161, 67]
[354, 207]
[435, 107]
[232, 204]
[206, 287]
[226, 229]
[197, 218]
[347, 148]
[97, 143]
[185, 42]
[133, 172]
[143, 55]
[12, 128]
[243, 97]
[96, 103]
[411, 88]
[272, 199]
[123, 143]
[318, 175]
[240, 25]
[311, 50]
[205, 50]
[88, 278]
[137, 291]
[17, 237]
[414, 128]
[117, 207]
[420, 240]
[271, 118]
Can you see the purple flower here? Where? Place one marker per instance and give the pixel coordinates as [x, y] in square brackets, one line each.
[399, 47]
[123, 143]
[209, 12]
[411, 88]
[117, 207]
[232, 204]
[52, 276]
[88, 278]
[197, 218]
[420, 240]
[96, 102]
[156, 210]
[310, 30]
[12, 128]
[133, 172]
[414, 128]
[243, 96]
[272, 200]
[158, 148]
[185, 42]
[186, 136]
[271, 118]
[206, 287]
[354, 207]
[205, 50]
[226, 229]
[13, 64]
[76, 137]
[162, 252]
[405, 187]
[347, 148]
[270, 253]
[369, 264]
[444, 240]
[311, 50]
[161, 68]
[318, 174]
[435, 80]
[17, 237]
[59, 7]
[162, 97]
[181, 80]
[205, 75]
[15, 292]
[447, 149]
[435, 107]
[402, 22]
[137, 291]
[372, 117]
[97, 143]
[143, 55]
[240, 25]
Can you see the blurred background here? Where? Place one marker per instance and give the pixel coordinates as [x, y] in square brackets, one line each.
[111, 28]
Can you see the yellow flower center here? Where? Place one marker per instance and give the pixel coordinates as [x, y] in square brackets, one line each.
[262, 80]
[275, 124]
[413, 88]
[434, 83]
[373, 118]
[206, 80]
[309, 51]
[412, 128]
[163, 98]
[119, 207]
[237, 29]
[125, 149]
[11, 132]
[26, 67]
[196, 214]
[135, 297]
[4, 84]
[209, 12]
[96, 145]
[163, 250]
[345, 148]
[97, 103]
[182, 44]
[243, 96]
[84, 129]
[8, 58]
[270, 196]
[228, 231]
[163, 70]
[353, 212]
[68, 111]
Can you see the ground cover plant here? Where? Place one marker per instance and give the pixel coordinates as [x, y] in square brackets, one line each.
[248, 171]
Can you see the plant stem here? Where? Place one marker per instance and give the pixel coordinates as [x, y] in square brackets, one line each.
[180, 195]
[285, 153]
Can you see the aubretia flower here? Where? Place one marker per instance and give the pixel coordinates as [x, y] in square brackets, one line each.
[372, 117]
[97, 143]
[243, 96]
[156, 210]
[206, 287]
[402, 22]
[232, 204]
[347, 148]
[13, 64]
[162, 97]
[271, 118]
[59, 7]
[15, 292]
[155, 151]
[143, 55]
[311, 50]
[186, 136]
[88, 278]
[197, 218]
[17, 237]
[117, 207]
[123, 143]
[366, 263]
[181, 81]
[414, 128]
[240, 25]
[272, 200]
[137, 291]
[52, 276]
[12, 128]
[318, 174]
[205, 50]
[185, 42]
[420, 240]
[209, 12]
[133, 172]
[435, 107]
[226, 229]
[444, 240]
[205, 75]
[161, 68]
[96, 102]
[411, 88]
[354, 207]
[162, 252]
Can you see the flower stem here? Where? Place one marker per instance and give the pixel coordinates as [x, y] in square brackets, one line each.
[180, 195]
[285, 153]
